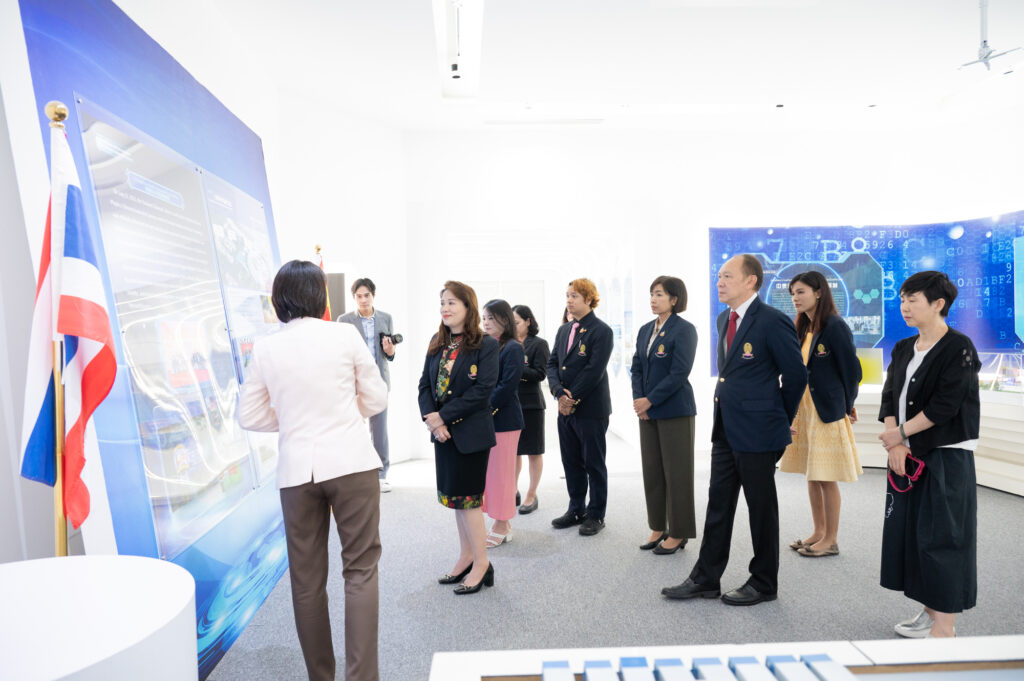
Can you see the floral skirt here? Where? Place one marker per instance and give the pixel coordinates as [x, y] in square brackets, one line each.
[460, 477]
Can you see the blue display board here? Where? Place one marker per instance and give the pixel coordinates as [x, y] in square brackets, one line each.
[176, 192]
[866, 265]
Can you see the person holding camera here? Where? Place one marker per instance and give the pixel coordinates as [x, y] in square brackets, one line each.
[375, 327]
[931, 409]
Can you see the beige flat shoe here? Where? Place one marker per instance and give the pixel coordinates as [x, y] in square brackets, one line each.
[811, 553]
[797, 545]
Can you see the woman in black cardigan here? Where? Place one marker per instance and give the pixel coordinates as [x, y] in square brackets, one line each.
[931, 410]
[459, 373]
[531, 398]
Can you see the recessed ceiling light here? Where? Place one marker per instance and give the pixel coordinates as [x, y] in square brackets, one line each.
[872, 106]
[779, 106]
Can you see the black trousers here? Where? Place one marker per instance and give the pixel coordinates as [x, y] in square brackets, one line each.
[583, 445]
[754, 473]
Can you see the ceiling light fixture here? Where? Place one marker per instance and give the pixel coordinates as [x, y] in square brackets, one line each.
[458, 28]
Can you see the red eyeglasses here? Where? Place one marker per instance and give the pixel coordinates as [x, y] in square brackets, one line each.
[914, 469]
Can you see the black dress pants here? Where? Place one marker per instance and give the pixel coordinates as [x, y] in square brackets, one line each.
[754, 473]
[583, 445]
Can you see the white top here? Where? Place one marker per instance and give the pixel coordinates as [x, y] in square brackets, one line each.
[912, 367]
[654, 334]
[314, 382]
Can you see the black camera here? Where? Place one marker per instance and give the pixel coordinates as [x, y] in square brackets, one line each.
[396, 338]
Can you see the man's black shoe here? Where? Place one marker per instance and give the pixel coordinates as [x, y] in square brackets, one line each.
[568, 519]
[746, 595]
[590, 527]
[690, 589]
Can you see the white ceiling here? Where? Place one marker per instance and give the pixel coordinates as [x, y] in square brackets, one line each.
[652, 64]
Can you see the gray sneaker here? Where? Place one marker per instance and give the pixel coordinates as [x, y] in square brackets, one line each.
[918, 626]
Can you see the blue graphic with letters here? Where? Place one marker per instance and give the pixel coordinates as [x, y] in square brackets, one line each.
[866, 265]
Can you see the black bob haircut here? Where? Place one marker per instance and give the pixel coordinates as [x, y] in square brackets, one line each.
[933, 285]
[300, 290]
[674, 288]
[364, 281]
[525, 313]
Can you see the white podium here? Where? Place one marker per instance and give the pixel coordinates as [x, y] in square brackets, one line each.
[97, 618]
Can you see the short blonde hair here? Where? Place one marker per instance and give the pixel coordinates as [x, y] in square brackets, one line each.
[587, 289]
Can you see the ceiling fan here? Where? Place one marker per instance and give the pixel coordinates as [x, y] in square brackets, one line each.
[985, 53]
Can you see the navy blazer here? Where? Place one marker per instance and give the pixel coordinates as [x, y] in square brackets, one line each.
[583, 368]
[535, 369]
[663, 376]
[466, 411]
[505, 409]
[751, 409]
[833, 371]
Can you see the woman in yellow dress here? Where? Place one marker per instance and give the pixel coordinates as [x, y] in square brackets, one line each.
[823, 448]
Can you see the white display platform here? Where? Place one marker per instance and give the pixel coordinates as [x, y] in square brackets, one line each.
[472, 665]
[97, 618]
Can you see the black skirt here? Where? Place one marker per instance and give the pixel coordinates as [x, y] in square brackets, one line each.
[531, 440]
[460, 477]
[930, 534]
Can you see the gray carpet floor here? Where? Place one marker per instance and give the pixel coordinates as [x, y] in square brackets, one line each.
[556, 589]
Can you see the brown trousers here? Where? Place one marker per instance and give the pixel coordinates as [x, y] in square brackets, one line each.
[355, 501]
[666, 458]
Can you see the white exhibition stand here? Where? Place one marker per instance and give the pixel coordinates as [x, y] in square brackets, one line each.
[97, 618]
[472, 665]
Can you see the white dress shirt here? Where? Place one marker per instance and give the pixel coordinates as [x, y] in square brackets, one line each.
[314, 382]
[741, 311]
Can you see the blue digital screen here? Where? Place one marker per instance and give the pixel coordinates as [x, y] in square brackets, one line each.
[866, 265]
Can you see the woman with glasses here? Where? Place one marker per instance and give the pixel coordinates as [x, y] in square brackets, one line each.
[931, 410]
[823, 448]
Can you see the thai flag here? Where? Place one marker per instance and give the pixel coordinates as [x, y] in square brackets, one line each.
[71, 305]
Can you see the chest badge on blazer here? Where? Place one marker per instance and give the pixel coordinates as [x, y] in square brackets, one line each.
[660, 352]
[583, 350]
[822, 352]
[472, 371]
[662, 333]
[748, 351]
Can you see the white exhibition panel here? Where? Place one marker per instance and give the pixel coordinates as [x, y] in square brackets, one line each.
[472, 665]
[97, 618]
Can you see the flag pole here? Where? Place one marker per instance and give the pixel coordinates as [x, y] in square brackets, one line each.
[57, 112]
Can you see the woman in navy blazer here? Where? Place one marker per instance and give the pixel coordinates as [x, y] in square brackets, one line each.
[532, 400]
[500, 491]
[663, 401]
[823, 448]
[459, 373]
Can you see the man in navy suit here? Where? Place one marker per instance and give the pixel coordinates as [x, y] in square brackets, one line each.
[578, 379]
[753, 412]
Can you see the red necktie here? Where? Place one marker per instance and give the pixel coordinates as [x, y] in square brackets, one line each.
[572, 335]
[731, 333]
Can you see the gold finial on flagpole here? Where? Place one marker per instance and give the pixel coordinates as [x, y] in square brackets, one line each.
[57, 112]
[317, 247]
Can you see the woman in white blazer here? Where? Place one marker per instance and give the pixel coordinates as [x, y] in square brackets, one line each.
[314, 382]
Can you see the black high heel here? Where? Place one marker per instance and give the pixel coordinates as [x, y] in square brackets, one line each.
[451, 579]
[488, 580]
[647, 546]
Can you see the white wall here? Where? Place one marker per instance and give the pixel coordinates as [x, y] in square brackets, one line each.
[557, 204]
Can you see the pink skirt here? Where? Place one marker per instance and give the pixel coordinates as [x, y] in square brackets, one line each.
[500, 491]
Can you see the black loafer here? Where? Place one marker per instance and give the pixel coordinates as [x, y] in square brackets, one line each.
[528, 508]
[651, 544]
[690, 589]
[591, 526]
[662, 551]
[568, 519]
[746, 595]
